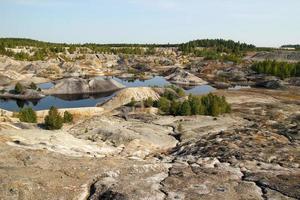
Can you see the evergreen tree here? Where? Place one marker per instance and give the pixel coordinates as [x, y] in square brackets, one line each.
[27, 115]
[164, 104]
[68, 117]
[53, 121]
[19, 88]
[185, 109]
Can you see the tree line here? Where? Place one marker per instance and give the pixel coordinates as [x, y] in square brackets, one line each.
[296, 46]
[279, 69]
[219, 45]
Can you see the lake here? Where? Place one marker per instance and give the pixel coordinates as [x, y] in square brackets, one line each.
[76, 101]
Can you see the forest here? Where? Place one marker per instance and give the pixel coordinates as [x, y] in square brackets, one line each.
[279, 69]
[296, 46]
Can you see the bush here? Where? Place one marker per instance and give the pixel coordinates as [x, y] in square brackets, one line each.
[215, 105]
[19, 88]
[148, 102]
[175, 107]
[275, 68]
[185, 109]
[68, 117]
[53, 121]
[164, 104]
[27, 115]
[178, 92]
[132, 102]
[33, 86]
[210, 104]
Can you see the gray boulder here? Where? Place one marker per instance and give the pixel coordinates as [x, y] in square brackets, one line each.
[269, 84]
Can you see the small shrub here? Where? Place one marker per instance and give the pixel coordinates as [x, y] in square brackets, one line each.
[132, 102]
[164, 104]
[33, 86]
[53, 121]
[27, 115]
[19, 88]
[148, 102]
[155, 104]
[68, 117]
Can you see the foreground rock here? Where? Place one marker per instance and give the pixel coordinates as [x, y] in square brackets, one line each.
[84, 86]
[137, 138]
[252, 153]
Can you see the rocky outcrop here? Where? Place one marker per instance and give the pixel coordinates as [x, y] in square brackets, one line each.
[124, 97]
[4, 80]
[28, 94]
[135, 137]
[84, 86]
[295, 81]
[182, 77]
[290, 56]
[269, 84]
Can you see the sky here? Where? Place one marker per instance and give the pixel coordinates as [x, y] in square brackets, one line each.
[260, 22]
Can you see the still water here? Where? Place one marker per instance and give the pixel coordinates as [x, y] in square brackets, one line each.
[76, 101]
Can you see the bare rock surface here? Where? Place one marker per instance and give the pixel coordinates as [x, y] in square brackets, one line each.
[26, 95]
[252, 153]
[84, 86]
[182, 77]
[125, 96]
[59, 142]
[135, 137]
[290, 56]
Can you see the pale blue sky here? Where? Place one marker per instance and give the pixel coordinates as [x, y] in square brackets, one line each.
[261, 22]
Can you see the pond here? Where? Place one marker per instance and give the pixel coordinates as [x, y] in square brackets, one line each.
[76, 101]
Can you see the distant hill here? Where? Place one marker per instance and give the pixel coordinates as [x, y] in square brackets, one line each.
[218, 44]
[14, 42]
[296, 46]
[214, 43]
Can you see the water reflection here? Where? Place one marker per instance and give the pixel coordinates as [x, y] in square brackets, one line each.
[74, 97]
[90, 100]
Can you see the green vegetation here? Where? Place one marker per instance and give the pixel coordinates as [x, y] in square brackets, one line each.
[132, 102]
[148, 103]
[280, 69]
[218, 49]
[214, 49]
[220, 45]
[68, 117]
[53, 121]
[296, 46]
[27, 115]
[210, 104]
[214, 105]
[19, 88]
[164, 104]
[185, 109]
[33, 86]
